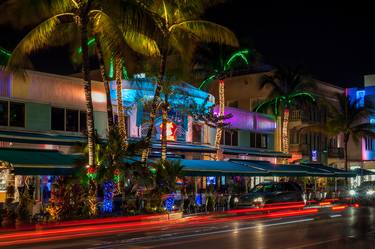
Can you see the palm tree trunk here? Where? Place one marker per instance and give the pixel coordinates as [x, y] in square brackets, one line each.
[219, 129]
[164, 129]
[120, 106]
[89, 109]
[346, 161]
[105, 79]
[154, 107]
[285, 131]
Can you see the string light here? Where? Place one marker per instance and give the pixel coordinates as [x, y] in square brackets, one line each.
[108, 197]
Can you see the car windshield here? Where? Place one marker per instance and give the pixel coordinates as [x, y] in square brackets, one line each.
[263, 188]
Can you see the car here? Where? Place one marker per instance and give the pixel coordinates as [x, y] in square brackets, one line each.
[271, 192]
[364, 192]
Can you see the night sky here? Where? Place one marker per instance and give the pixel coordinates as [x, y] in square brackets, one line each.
[335, 43]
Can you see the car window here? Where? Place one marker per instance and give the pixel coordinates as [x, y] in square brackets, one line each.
[258, 189]
[269, 188]
[289, 187]
[280, 187]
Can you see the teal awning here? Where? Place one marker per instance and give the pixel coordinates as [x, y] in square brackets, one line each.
[39, 162]
[336, 172]
[40, 138]
[363, 172]
[218, 168]
[234, 150]
[295, 169]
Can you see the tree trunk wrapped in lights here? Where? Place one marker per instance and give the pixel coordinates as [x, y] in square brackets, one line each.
[219, 129]
[164, 141]
[92, 202]
[105, 79]
[120, 106]
[285, 131]
[154, 108]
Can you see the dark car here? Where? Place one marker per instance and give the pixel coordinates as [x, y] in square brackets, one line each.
[273, 192]
[364, 192]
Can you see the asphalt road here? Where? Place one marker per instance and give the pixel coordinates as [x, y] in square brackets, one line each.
[352, 228]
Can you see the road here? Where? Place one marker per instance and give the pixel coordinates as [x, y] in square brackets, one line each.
[351, 228]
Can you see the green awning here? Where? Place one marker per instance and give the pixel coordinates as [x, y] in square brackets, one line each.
[39, 162]
[218, 168]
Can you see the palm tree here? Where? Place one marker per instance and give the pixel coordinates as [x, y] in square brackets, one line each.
[348, 119]
[220, 75]
[289, 90]
[71, 22]
[179, 25]
[120, 106]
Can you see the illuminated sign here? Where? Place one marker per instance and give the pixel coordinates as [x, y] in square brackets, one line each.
[171, 131]
[360, 96]
[314, 155]
[211, 180]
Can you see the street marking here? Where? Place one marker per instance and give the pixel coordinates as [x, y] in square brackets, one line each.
[174, 236]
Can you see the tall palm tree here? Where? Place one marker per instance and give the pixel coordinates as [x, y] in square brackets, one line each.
[72, 22]
[348, 119]
[289, 90]
[120, 107]
[220, 75]
[180, 24]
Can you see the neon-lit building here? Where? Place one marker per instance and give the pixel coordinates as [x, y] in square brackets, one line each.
[243, 91]
[362, 154]
[46, 113]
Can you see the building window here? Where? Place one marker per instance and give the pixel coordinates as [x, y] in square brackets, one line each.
[368, 143]
[233, 104]
[230, 137]
[71, 120]
[258, 140]
[197, 133]
[68, 120]
[58, 119]
[4, 113]
[17, 114]
[82, 121]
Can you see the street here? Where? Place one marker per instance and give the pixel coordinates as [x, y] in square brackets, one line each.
[351, 228]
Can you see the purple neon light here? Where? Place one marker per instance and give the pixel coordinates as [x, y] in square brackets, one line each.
[5, 84]
[244, 120]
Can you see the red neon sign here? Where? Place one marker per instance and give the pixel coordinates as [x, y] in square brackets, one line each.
[171, 131]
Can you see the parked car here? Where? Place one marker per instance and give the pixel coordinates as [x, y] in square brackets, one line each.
[364, 192]
[273, 192]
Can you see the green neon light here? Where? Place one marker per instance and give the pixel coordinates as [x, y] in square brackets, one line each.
[89, 43]
[207, 80]
[239, 54]
[304, 94]
[5, 52]
[111, 68]
[125, 73]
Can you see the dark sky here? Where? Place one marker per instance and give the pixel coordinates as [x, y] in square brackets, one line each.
[335, 43]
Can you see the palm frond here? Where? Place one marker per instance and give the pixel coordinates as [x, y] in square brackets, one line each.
[52, 32]
[207, 31]
[23, 13]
